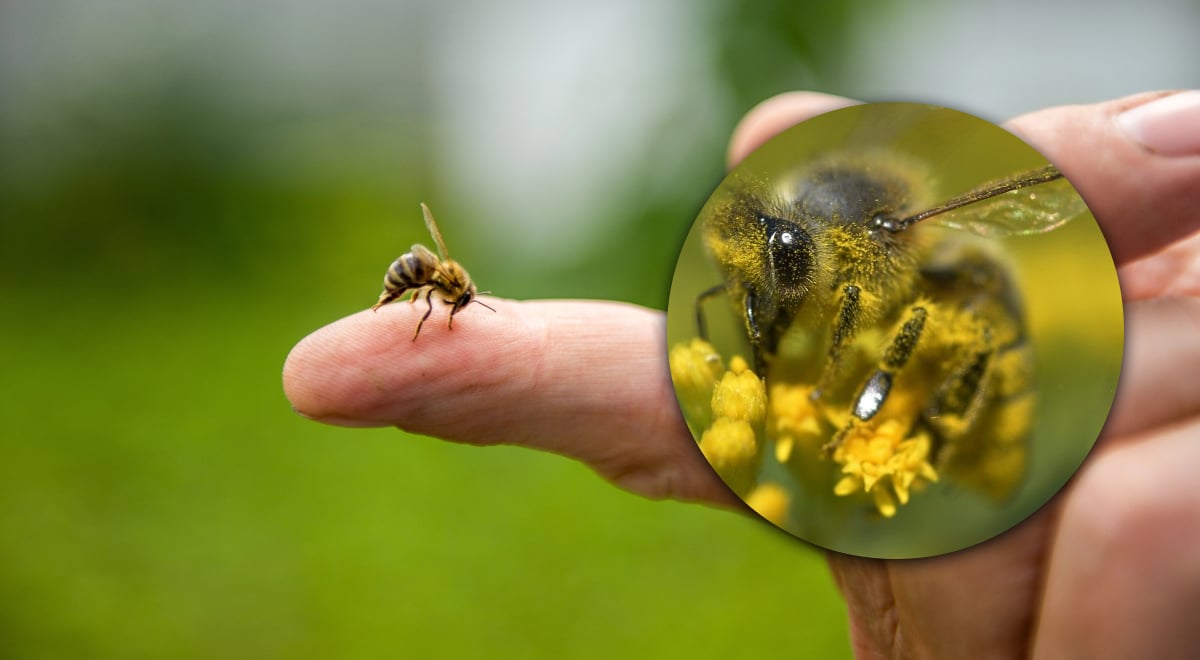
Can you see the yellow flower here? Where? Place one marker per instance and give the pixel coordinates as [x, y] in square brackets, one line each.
[771, 501]
[729, 444]
[731, 447]
[695, 368]
[910, 467]
[740, 394]
[794, 419]
[876, 456]
[884, 502]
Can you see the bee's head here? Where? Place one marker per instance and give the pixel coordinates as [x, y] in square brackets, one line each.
[465, 299]
[469, 296]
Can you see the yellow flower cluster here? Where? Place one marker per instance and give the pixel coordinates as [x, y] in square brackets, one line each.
[729, 405]
[876, 456]
[732, 443]
[695, 368]
[882, 458]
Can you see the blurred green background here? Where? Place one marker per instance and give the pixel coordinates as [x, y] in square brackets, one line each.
[187, 189]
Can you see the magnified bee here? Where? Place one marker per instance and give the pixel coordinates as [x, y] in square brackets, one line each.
[845, 280]
[422, 271]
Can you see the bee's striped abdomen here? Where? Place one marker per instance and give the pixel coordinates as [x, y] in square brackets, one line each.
[412, 270]
[407, 272]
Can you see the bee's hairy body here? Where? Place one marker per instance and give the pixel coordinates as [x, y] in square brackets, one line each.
[423, 272]
[781, 257]
[918, 322]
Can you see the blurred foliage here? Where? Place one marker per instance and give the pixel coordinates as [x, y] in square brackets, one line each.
[165, 185]
[768, 47]
[165, 239]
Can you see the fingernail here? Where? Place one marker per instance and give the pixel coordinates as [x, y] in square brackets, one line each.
[1169, 126]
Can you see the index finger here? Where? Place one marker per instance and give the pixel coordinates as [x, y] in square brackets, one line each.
[587, 380]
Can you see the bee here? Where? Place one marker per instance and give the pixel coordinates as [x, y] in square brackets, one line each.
[845, 277]
[422, 271]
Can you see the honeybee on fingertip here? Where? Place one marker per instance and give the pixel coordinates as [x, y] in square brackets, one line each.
[421, 271]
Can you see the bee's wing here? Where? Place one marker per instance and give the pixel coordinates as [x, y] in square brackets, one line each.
[1019, 212]
[1030, 203]
[431, 225]
[436, 268]
[423, 254]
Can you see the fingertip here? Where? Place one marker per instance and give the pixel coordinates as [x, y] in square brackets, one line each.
[585, 379]
[776, 114]
[366, 370]
[295, 383]
[311, 374]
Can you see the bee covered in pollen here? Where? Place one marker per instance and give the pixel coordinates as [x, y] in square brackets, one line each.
[885, 321]
[911, 334]
[423, 272]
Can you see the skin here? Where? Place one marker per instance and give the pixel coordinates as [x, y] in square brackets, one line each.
[1108, 569]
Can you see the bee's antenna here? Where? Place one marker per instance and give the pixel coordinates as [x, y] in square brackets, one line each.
[477, 300]
[986, 191]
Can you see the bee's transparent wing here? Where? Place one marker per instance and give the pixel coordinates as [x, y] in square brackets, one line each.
[423, 254]
[1032, 210]
[1029, 203]
[431, 225]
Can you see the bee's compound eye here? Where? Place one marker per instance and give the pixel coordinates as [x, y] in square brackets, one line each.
[789, 249]
[463, 300]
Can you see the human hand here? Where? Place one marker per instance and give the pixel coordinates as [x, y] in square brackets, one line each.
[1108, 569]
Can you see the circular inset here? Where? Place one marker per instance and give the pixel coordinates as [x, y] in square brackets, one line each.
[895, 330]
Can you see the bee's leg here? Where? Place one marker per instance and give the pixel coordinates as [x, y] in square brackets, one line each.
[875, 390]
[428, 301]
[956, 404]
[754, 332]
[982, 416]
[960, 394]
[701, 325]
[847, 326]
[904, 342]
[385, 298]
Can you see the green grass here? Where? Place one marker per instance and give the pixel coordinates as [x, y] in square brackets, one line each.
[158, 498]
